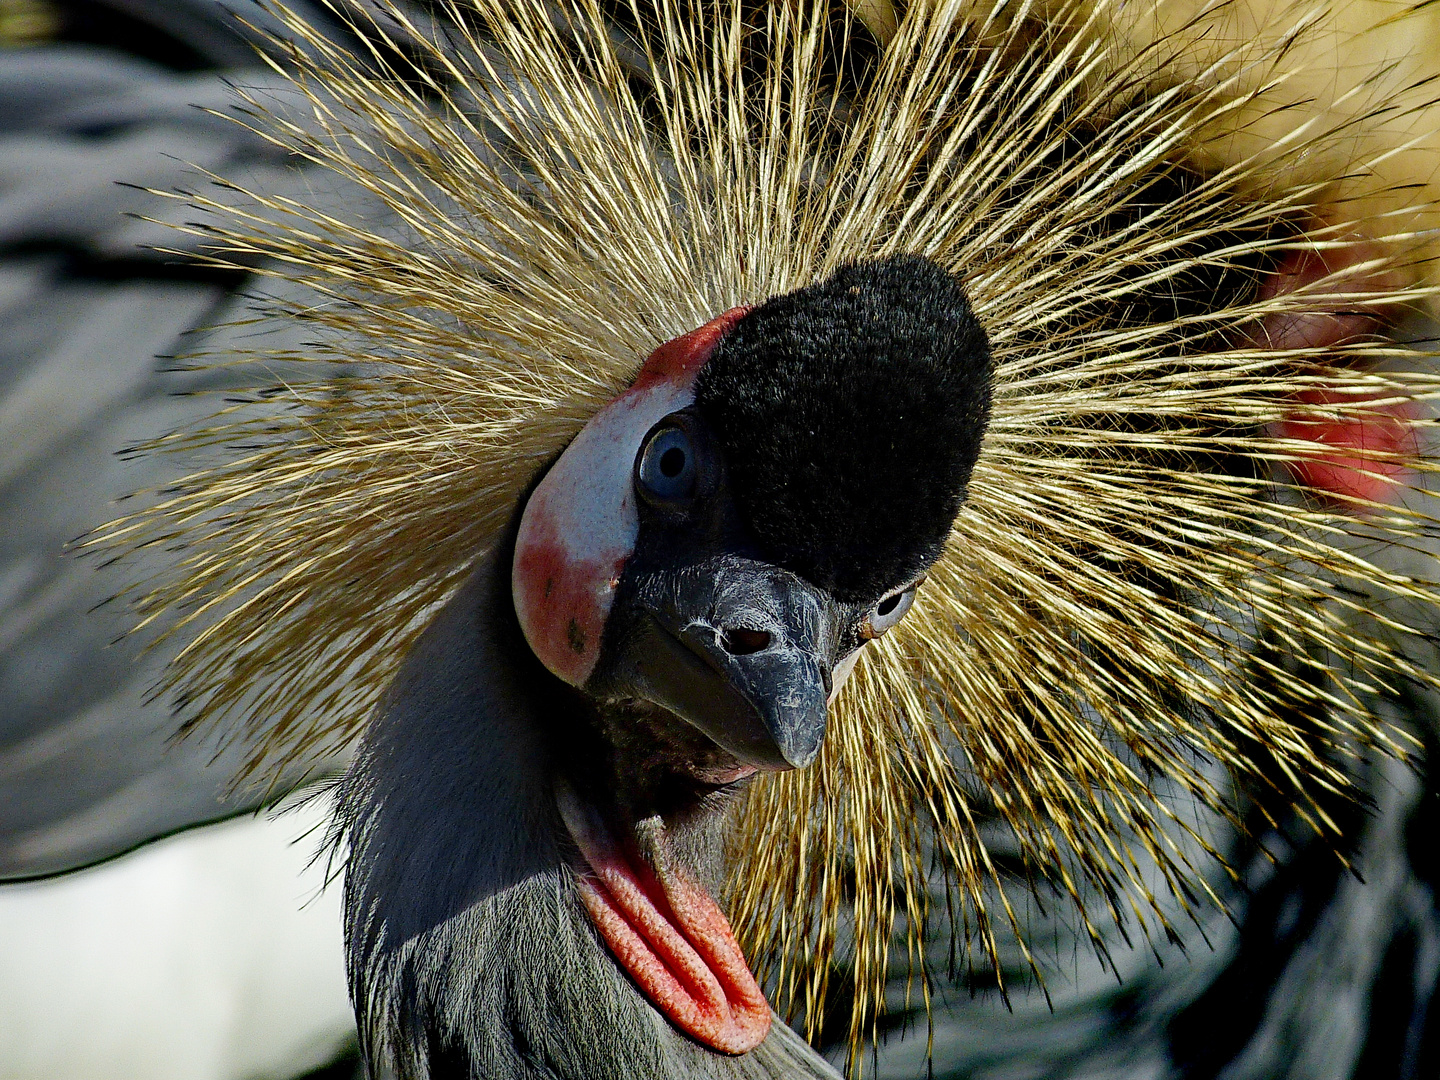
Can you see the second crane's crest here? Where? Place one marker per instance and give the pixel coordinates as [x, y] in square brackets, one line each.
[1138, 597]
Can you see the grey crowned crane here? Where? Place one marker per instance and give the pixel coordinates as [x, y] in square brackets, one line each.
[595, 505]
[683, 592]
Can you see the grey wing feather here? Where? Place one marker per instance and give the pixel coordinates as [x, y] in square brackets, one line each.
[88, 310]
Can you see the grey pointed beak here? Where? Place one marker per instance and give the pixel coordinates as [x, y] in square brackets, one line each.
[744, 652]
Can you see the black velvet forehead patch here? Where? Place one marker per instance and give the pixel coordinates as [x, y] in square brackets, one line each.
[850, 414]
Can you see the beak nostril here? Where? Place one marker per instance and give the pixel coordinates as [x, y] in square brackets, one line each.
[743, 642]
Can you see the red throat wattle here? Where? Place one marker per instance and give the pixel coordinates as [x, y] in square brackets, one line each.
[668, 934]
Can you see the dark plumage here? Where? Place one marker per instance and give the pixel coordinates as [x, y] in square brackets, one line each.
[849, 406]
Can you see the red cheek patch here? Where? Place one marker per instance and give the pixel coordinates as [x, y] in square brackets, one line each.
[571, 612]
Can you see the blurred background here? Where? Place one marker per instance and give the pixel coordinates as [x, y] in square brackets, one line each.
[215, 953]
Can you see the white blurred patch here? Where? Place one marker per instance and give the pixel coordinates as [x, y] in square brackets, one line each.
[213, 955]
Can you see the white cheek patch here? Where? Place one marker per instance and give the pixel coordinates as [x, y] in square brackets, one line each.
[580, 524]
[841, 674]
[577, 531]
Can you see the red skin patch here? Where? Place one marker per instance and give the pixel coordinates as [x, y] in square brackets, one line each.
[1360, 449]
[580, 524]
[681, 358]
[570, 617]
[1329, 323]
[669, 936]
[1363, 463]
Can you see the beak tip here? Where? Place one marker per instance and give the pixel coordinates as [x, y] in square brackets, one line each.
[801, 760]
[799, 733]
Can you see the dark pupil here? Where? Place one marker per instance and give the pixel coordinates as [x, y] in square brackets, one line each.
[672, 462]
[888, 605]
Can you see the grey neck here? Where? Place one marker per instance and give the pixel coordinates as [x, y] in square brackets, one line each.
[468, 952]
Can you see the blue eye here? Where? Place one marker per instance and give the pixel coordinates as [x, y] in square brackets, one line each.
[667, 466]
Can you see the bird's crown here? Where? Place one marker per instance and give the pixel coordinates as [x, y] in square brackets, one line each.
[850, 414]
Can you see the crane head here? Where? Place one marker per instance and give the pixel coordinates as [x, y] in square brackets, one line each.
[724, 537]
[709, 556]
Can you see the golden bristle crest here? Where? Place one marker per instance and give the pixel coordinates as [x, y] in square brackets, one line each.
[1136, 596]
